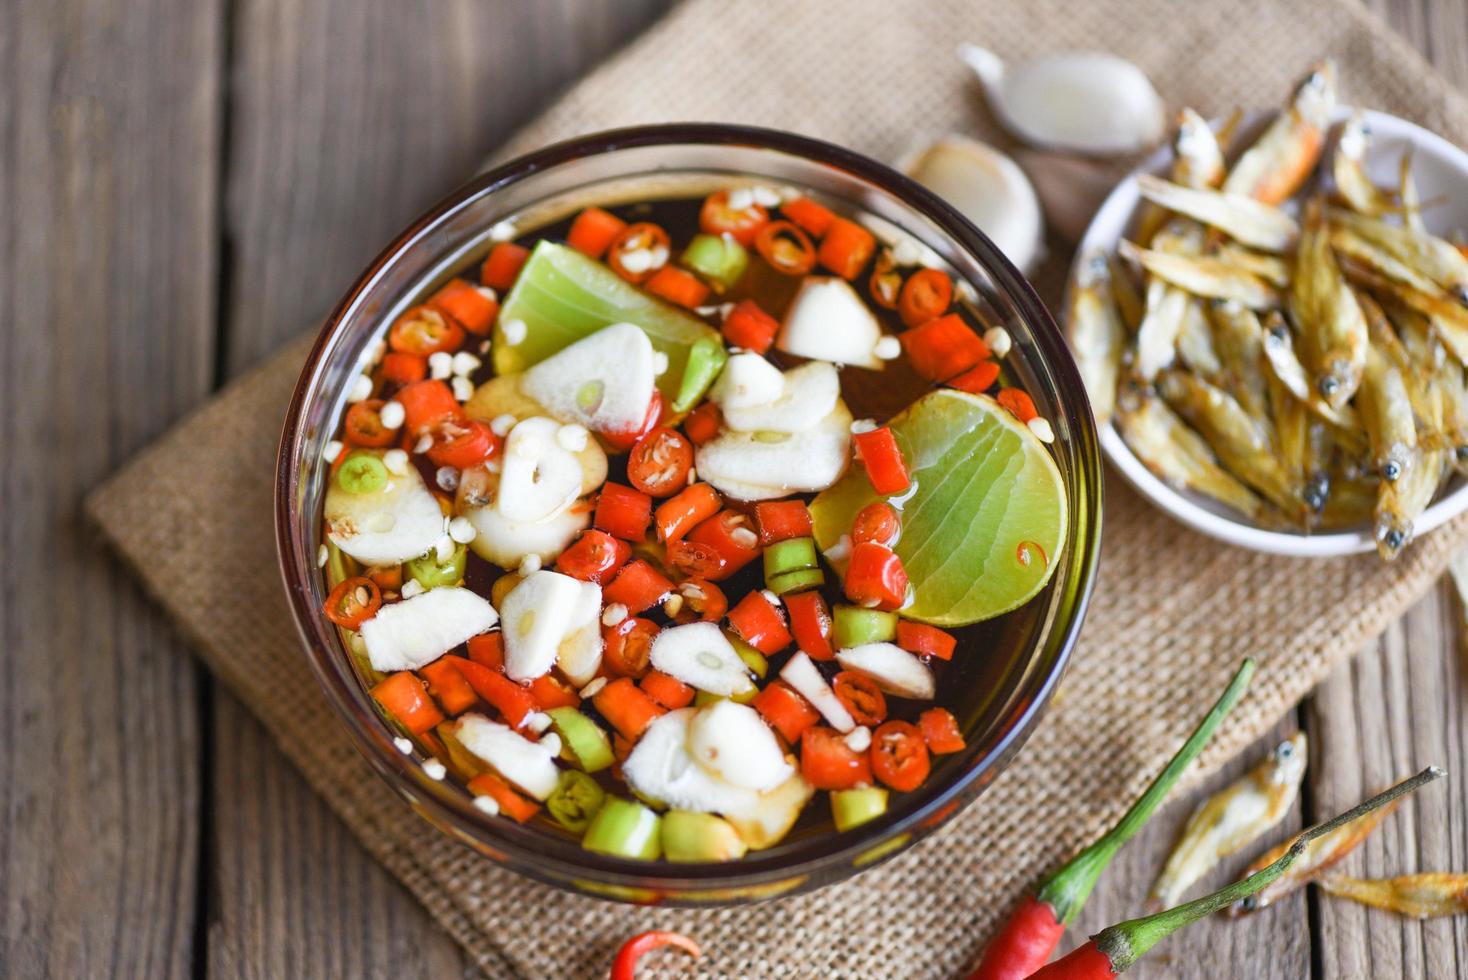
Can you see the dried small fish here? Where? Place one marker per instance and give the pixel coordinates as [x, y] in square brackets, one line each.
[1205, 276]
[1239, 216]
[1448, 318]
[1421, 896]
[1351, 503]
[1437, 259]
[1279, 161]
[1348, 168]
[1284, 363]
[1407, 191]
[1270, 268]
[1423, 388]
[1386, 412]
[1244, 444]
[1332, 328]
[1166, 309]
[1178, 455]
[1231, 819]
[1096, 334]
[1239, 340]
[1195, 343]
[1320, 855]
[1197, 155]
[1364, 252]
[1128, 297]
[1399, 504]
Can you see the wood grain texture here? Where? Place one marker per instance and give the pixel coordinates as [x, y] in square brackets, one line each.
[108, 139]
[1232, 947]
[347, 119]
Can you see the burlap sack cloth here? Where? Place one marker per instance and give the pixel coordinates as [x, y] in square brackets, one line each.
[1172, 613]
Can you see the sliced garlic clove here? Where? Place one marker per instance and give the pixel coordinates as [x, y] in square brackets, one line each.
[986, 187]
[1085, 101]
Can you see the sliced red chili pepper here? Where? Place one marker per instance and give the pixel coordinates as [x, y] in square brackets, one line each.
[404, 696]
[463, 444]
[742, 224]
[488, 650]
[511, 700]
[623, 512]
[786, 248]
[628, 644]
[511, 803]
[759, 623]
[810, 623]
[403, 369]
[622, 441]
[363, 425]
[928, 640]
[940, 731]
[593, 231]
[885, 284]
[977, 379]
[426, 404]
[780, 520]
[447, 685]
[846, 247]
[638, 586]
[730, 534]
[814, 218]
[472, 307]
[693, 559]
[1019, 404]
[703, 423]
[678, 286]
[750, 327]
[550, 692]
[659, 463]
[625, 965]
[900, 756]
[785, 710]
[594, 557]
[502, 266]
[627, 708]
[702, 600]
[875, 577]
[641, 237]
[353, 602]
[827, 762]
[424, 330]
[861, 696]
[876, 522]
[943, 347]
[925, 295]
[667, 690]
[882, 457]
[677, 515]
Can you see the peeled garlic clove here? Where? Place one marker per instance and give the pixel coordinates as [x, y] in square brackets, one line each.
[986, 187]
[1070, 189]
[1086, 101]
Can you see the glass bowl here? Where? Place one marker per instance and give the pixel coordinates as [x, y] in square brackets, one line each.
[1006, 684]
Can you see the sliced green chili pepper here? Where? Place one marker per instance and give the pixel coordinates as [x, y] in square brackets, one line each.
[583, 743]
[790, 555]
[716, 258]
[576, 800]
[431, 573]
[362, 473]
[624, 829]
[854, 807]
[801, 578]
[705, 360]
[853, 625]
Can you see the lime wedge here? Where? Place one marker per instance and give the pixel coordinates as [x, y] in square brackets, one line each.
[562, 296]
[983, 528]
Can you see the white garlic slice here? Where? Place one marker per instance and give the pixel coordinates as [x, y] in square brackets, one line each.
[986, 187]
[1084, 101]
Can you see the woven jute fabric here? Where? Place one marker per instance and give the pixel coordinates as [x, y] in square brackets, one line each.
[1172, 614]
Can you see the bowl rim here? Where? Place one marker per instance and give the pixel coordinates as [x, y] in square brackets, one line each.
[1119, 207]
[533, 852]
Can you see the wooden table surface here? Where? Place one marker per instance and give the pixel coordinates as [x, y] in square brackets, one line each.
[183, 185]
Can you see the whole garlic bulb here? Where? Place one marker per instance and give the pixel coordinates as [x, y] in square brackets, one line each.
[1084, 101]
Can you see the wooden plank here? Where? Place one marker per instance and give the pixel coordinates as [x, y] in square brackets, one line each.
[347, 120]
[108, 152]
[1213, 947]
[1397, 708]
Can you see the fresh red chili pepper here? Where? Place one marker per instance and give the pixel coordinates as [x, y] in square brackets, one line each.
[846, 247]
[404, 696]
[1028, 938]
[900, 756]
[552, 692]
[1019, 403]
[702, 600]
[879, 453]
[780, 520]
[425, 405]
[624, 966]
[703, 423]
[516, 703]
[750, 327]
[877, 522]
[678, 515]
[593, 231]
[622, 440]
[875, 577]
[977, 379]
[472, 307]
[424, 330]
[667, 690]
[729, 533]
[785, 710]
[814, 218]
[403, 369]
[353, 602]
[511, 803]
[943, 347]
[885, 283]
[925, 295]
[623, 512]
[463, 444]
[1113, 950]
[716, 217]
[638, 586]
[502, 266]
[641, 237]
[927, 640]
[940, 731]
[810, 623]
[628, 645]
[677, 286]
[827, 762]
[447, 685]
[660, 462]
[759, 623]
[488, 650]
[594, 557]
[786, 248]
[692, 559]
[862, 697]
[627, 708]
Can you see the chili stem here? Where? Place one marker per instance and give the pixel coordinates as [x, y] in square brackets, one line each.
[1066, 891]
[1125, 942]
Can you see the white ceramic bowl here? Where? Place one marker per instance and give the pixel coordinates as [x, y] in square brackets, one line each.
[1440, 170]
